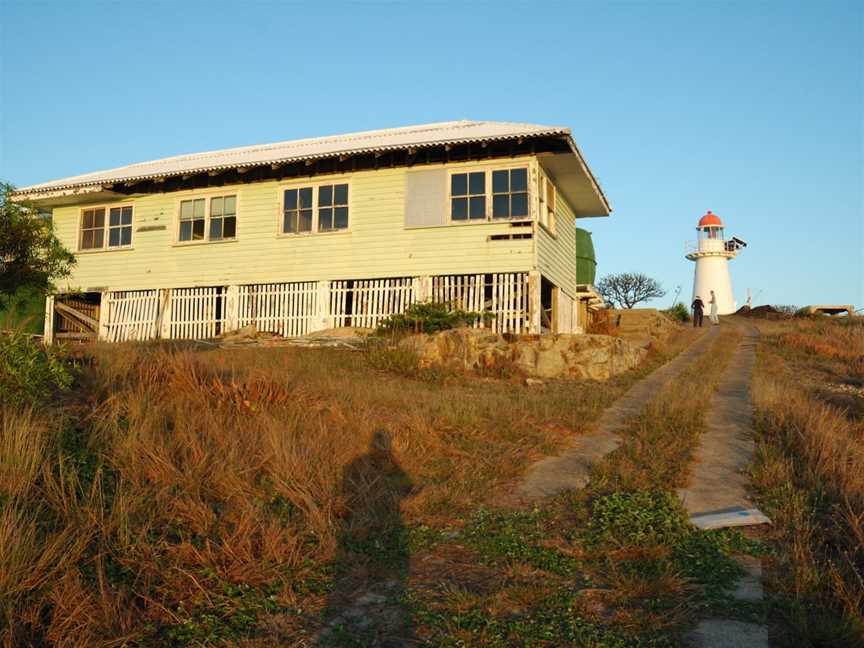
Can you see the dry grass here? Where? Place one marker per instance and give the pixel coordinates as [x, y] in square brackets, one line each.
[183, 495]
[810, 473]
[659, 443]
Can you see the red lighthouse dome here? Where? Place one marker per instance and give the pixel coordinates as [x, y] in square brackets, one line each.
[710, 219]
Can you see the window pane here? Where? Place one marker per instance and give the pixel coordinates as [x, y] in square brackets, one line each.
[289, 223]
[459, 184]
[478, 207]
[477, 183]
[325, 195]
[215, 229]
[198, 208]
[197, 230]
[127, 216]
[87, 219]
[215, 206]
[501, 206]
[325, 219]
[459, 210]
[500, 183]
[99, 218]
[519, 180]
[114, 237]
[306, 198]
[340, 218]
[98, 236]
[186, 230]
[519, 204]
[86, 239]
[229, 227]
[341, 197]
[114, 216]
[305, 224]
[290, 199]
[126, 236]
[186, 209]
[230, 205]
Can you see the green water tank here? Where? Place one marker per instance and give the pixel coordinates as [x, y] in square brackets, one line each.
[586, 261]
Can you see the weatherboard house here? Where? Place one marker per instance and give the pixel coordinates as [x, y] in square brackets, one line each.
[313, 234]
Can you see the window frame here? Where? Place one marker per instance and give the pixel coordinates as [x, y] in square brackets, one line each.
[106, 228]
[207, 197]
[315, 186]
[488, 170]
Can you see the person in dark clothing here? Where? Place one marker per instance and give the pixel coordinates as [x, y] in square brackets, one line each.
[698, 307]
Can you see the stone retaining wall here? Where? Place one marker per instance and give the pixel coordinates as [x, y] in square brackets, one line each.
[597, 357]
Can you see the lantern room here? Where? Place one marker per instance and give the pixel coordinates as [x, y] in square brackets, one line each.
[710, 227]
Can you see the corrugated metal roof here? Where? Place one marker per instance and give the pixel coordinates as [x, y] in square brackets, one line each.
[453, 132]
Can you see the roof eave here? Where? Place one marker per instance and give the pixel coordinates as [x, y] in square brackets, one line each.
[35, 192]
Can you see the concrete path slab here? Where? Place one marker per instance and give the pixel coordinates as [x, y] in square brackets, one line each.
[723, 633]
[571, 469]
[718, 481]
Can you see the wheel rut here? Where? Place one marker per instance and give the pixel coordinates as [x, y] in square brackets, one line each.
[571, 469]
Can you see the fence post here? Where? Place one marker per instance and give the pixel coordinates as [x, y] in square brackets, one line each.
[48, 331]
[535, 306]
[323, 317]
[165, 326]
[104, 315]
[574, 316]
[422, 287]
[232, 308]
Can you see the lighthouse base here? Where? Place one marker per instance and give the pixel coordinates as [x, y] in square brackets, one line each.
[712, 273]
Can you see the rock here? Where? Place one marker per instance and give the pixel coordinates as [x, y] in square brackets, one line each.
[248, 332]
[370, 598]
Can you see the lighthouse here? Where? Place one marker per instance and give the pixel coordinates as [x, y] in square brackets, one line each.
[712, 254]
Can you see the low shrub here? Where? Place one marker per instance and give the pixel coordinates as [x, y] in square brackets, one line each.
[428, 317]
[678, 312]
[30, 372]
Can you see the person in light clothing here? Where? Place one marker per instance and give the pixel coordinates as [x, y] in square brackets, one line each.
[713, 314]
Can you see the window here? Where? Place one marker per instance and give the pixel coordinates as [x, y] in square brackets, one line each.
[468, 196]
[473, 193]
[93, 226]
[510, 193]
[547, 204]
[298, 211]
[332, 207]
[298, 215]
[221, 216]
[119, 226]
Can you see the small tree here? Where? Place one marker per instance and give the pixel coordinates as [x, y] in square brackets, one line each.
[30, 254]
[627, 289]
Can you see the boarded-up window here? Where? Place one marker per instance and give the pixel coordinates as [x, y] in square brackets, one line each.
[426, 198]
[547, 204]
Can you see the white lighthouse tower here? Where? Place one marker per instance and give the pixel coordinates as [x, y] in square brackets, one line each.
[712, 253]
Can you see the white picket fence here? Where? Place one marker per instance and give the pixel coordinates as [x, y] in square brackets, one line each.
[131, 315]
[295, 309]
[289, 309]
[505, 296]
[365, 302]
[196, 313]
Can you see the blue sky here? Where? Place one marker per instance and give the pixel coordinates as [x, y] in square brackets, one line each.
[750, 109]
